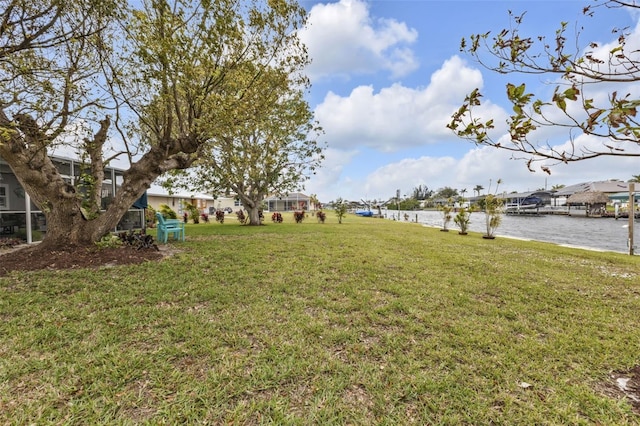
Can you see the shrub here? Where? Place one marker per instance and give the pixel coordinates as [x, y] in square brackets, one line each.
[220, 216]
[298, 216]
[109, 241]
[493, 214]
[21, 234]
[193, 211]
[321, 216]
[241, 217]
[150, 216]
[167, 212]
[340, 208]
[446, 210]
[138, 239]
[276, 217]
[462, 219]
[9, 242]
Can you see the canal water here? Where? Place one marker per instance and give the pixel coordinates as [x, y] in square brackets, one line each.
[606, 234]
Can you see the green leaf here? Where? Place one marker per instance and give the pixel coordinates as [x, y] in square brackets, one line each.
[537, 106]
[572, 93]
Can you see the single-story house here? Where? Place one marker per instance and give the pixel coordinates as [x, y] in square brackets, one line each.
[592, 202]
[624, 197]
[294, 201]
[606, 187]
[157, 195]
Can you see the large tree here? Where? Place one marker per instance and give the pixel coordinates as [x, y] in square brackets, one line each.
[270, 147]
[573, 106]
[446, 192]
[421, 192]
[160, 78]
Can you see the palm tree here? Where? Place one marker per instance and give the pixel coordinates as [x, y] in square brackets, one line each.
[313, 200]
[634, 178]
[477, 189]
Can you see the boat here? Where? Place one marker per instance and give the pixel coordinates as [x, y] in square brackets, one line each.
[364, 213]
[528, 203]
[518, 206]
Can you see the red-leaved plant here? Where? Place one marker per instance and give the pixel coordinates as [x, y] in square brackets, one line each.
[241, 217]
[220, 216]
[298, 216]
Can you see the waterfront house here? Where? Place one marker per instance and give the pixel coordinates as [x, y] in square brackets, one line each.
[579, 204]
[295, 201]
[606, 187]
[157, 195]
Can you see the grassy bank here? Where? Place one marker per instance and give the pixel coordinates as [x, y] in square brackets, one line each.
[367, 322]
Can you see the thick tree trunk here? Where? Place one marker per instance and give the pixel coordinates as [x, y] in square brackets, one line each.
[251, 203]
[254, 216]
[66, 226]
[68, 223]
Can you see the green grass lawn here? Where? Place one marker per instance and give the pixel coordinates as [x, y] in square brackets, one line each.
[365, 322]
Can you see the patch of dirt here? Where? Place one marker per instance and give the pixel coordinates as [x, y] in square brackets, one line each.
[625, 384]
[35, 257]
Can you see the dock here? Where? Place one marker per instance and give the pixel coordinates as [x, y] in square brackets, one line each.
[537, 212]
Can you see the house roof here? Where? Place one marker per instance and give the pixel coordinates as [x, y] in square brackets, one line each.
[607, 186]
[160, 191]
[526, 194]
[67, 153]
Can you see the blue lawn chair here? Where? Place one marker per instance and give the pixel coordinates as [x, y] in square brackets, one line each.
[169, 226]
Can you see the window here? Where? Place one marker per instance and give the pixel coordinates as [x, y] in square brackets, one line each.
[4, 197]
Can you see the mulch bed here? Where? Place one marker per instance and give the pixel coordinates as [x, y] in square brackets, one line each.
[33, 258]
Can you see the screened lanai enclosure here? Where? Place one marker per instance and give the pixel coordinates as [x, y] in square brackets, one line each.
[21, 218]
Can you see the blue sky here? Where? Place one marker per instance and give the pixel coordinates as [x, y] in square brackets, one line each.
[387, 75]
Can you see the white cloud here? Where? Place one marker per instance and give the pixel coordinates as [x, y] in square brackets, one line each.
[400, 117]
[598, 92]
[485, 165]
[603, 52]
[382, 183]
[618, 167]
[326, 182]
[410, 173]
[343, 39]
[479, 166]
